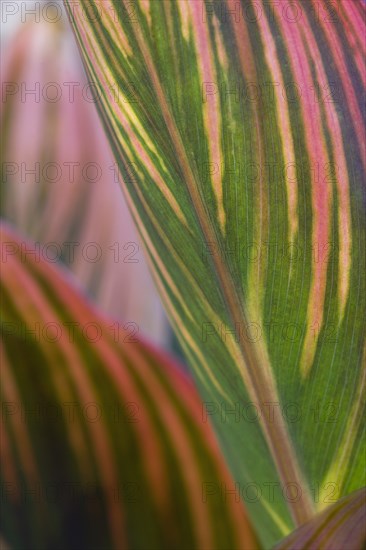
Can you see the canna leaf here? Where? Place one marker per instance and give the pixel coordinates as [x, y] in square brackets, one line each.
[59, 179]
[103, 444]
[238, 127]
[342, 525]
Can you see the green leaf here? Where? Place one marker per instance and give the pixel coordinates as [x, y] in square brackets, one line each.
[103, 444]
[238, 130]
[342, 525]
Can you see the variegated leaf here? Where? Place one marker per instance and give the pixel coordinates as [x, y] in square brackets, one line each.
[102, 439]
[342, 525]
[238, 126]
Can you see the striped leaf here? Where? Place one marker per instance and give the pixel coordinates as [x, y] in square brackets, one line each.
[59, 179]
[103, 443]
[238, 127]
[342, 525]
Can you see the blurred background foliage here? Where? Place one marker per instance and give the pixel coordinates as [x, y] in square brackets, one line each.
[59, 179]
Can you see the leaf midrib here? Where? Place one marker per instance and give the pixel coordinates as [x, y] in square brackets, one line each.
[258, 379]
